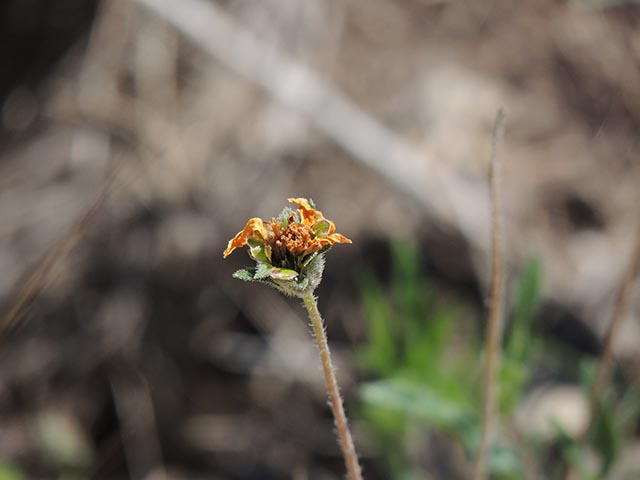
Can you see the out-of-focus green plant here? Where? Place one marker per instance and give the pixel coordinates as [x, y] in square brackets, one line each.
[521, 343]
[616, 418]
[429, 370]
[9, 472]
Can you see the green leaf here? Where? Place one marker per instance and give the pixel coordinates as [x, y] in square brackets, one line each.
[265, 272]
[528, 289]
[262, 271]
[419, 402]
[513, 374]
[380, 353]
[246, 274]
[526, 301]
[607, 436]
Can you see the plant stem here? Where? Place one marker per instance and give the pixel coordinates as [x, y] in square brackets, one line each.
[621, 304]
[344, 435]
[494, 328]
[606, 356]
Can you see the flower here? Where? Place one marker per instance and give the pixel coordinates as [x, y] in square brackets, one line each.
[289, 249]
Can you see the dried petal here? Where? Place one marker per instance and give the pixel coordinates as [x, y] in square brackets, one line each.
[309, 214]
[333, 239]
[253, 228]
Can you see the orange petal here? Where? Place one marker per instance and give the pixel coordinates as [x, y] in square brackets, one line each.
[301, 202]
[309, 214]
[254, 227]
[333, 239]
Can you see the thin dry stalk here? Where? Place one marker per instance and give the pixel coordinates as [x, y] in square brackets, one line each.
[344, 435]
[494, 328]
[38, 278]
[620, 307]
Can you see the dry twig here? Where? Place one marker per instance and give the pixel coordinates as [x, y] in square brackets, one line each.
[494, 328]
[404, 165]
[621, 304]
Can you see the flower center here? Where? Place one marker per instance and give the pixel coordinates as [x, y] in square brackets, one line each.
[291, 244]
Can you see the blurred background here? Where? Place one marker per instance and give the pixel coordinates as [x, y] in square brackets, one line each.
[137, 137]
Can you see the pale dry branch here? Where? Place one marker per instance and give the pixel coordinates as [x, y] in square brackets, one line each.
[496, 306]
[404, 165]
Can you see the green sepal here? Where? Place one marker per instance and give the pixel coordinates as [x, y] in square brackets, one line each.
[321, 228]
[263, 271]
[283, 217]
[258, 250]
[314, 268]
[283, 274]
[306, 282]
[310, 258]
[288, 281]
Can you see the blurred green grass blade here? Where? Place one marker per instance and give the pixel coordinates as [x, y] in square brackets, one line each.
[504, 464]
[606, 437]
[525, 304]
[8, 472]
[607, 434]
[527, 291]
[513, 374]
[419, 402]
[380, 353]
[409, 294]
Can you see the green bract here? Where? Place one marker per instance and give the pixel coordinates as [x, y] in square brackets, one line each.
[289, 282]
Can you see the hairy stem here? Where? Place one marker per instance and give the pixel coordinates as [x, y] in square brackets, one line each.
[344, 435]
[494, 328]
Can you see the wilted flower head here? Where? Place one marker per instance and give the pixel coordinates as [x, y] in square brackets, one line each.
[289, 249]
